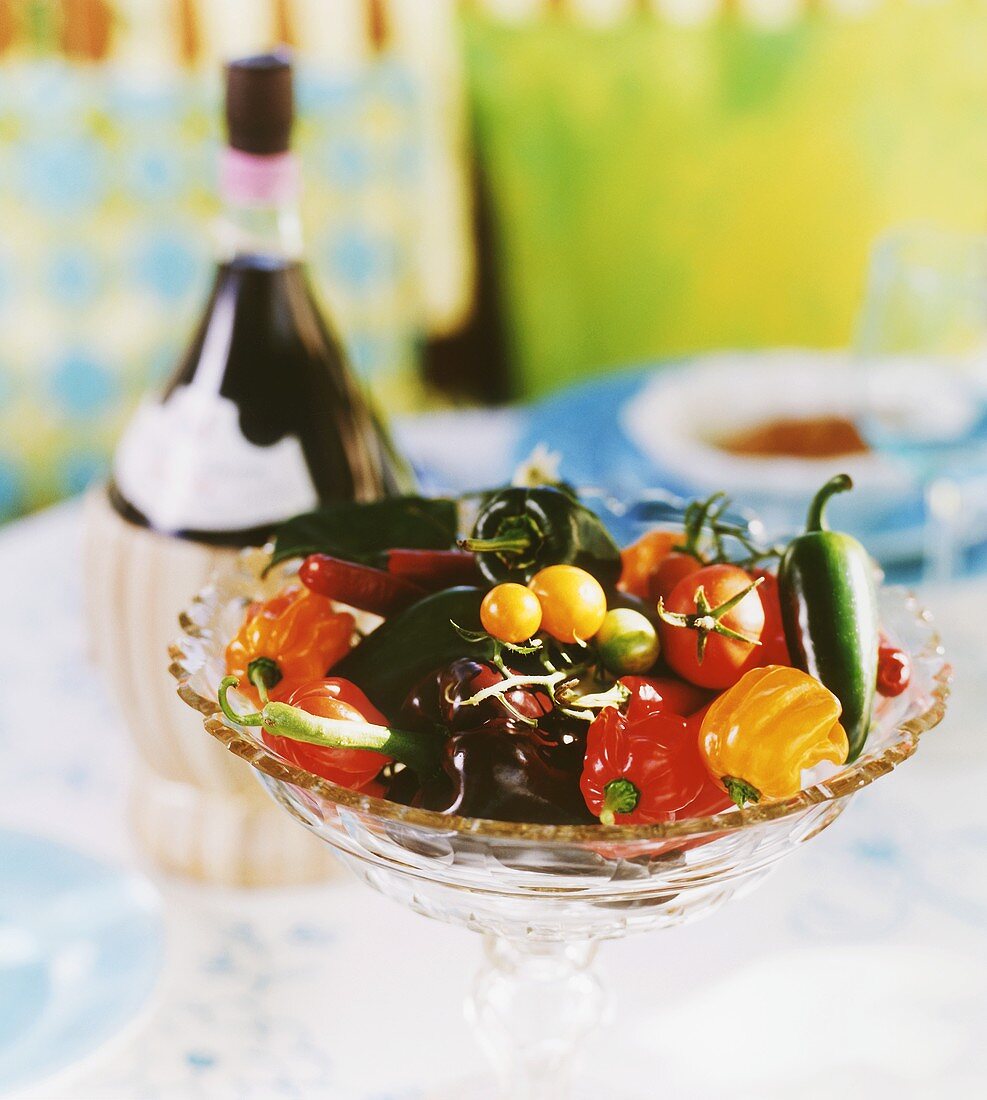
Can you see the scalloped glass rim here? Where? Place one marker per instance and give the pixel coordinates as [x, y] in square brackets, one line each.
[243, 743]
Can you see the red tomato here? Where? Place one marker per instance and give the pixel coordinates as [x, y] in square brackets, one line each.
[773, 649]
[894, 670]
[353, 768]
[724, 659]
[653, 694]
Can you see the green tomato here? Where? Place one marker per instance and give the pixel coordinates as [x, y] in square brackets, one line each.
[627, 643]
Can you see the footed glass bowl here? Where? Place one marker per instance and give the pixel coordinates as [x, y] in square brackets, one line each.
[545, 896]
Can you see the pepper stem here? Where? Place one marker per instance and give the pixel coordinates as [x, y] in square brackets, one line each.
[264, 673]
[421, 752]
[620, 796]
[740, 790]
[253, 719]
[502, 544]
[816, 520]
[514, 535]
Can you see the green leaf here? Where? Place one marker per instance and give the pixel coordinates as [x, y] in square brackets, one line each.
[360, 532]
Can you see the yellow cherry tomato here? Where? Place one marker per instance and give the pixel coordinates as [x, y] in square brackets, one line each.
[760, 735]
[573, 605]
[511, 613]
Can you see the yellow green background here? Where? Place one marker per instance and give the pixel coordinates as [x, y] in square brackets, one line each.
[661, 189]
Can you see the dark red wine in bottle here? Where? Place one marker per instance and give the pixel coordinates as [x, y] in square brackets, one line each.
[263, 418]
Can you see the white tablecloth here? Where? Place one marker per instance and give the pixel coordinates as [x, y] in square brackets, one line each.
[858, 970]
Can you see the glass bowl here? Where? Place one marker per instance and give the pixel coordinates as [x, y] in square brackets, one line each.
[544, 896]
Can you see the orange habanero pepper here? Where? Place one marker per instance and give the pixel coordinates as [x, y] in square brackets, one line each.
[291, 639]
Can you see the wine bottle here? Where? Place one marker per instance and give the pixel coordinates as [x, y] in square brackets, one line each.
[262, 419]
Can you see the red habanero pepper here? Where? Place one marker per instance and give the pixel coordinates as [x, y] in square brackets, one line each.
[359, 586]
[639, 773]
[434, 570]
[712, 799]
[894, 670]
[332, 698]
[654, 694]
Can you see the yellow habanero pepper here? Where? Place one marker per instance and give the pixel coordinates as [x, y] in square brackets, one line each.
[759, 735]
[288, 640]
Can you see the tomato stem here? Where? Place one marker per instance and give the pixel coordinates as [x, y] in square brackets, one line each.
[510, 682]
[706, 619]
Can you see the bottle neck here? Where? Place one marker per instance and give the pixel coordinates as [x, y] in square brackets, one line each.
[260, 196]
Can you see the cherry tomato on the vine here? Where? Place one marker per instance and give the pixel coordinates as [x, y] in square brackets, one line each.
[511, 613]
[627, 642]
[573, 603]
[699, 607]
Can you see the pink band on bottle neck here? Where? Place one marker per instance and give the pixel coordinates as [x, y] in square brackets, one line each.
[252, 180]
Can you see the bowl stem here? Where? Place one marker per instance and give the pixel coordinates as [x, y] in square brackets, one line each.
[533, 1003]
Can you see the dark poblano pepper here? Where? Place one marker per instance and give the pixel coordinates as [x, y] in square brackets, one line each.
[520, 531]
[829, 608]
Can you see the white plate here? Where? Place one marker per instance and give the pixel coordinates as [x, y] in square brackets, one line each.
[677, 416]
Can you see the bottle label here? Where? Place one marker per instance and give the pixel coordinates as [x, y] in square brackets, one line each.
[186, 465]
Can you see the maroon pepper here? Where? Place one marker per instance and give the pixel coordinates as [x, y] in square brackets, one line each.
[438, 699]
[503, 770]
[359, 586]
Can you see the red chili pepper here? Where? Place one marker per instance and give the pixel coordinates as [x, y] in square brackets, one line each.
[333, 698]
[894, 670]
[638, 773]
[359, 586]
[434, 569]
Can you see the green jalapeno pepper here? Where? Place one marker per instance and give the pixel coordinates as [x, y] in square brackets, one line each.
[423, 637]
[520, 531]
[829, 609]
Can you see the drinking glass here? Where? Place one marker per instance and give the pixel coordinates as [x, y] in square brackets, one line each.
[544, 897]
[922, 338]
